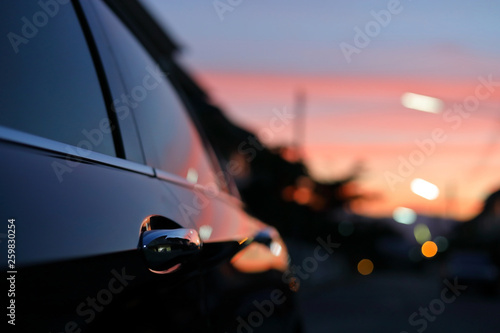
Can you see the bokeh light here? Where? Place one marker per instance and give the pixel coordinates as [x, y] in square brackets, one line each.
[422, 233]
[442, 243]
[365, 267]
[404, 215]
[302, 195]
[346, 228]
[192, 176]
[424, 189]
[205, 232]
[429, 249]
[422, 103]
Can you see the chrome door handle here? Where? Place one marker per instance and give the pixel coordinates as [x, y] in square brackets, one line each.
[166, 250]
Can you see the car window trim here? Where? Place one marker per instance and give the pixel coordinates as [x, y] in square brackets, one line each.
[102, 78]
[35, 141]
[130, 138]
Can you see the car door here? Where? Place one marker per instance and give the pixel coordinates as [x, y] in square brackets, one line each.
[76, 186]
[173, 146]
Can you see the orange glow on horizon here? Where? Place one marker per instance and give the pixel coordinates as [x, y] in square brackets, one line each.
[361, 118]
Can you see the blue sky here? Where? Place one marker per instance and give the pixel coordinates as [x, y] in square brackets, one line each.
[304, 36]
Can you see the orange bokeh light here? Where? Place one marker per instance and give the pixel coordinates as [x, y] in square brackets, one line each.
[365, 267]
[429, 249]
[302, 195]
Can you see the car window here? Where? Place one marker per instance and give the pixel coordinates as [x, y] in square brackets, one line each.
[49, 86]
[169, 138]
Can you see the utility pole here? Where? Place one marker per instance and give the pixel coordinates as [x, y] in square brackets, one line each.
[299, 124]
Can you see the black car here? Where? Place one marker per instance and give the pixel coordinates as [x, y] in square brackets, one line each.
[116, 214]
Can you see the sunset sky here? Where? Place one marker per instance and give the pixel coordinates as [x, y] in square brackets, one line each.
[253, 58]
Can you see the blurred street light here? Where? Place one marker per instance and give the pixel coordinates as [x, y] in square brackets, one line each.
[424, 189]
[404, 215]
[422, 103]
